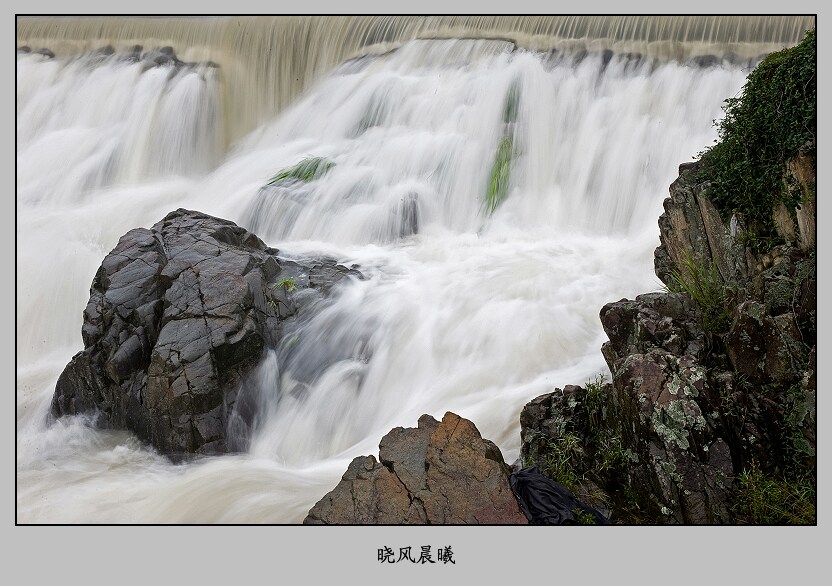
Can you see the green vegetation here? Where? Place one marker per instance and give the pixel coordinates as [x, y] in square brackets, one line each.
[498, 181]
[584, 518]
[561, 458]
[703, 284]
[307, 170]
[799, 414]
[773, 118]
[512, 103]
[501, 168]
[595, 401]
[587, 446]
[764, 500]
[288, 284]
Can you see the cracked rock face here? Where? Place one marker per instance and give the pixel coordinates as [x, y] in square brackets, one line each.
[178, 316]
[684, 468]
[440, 473]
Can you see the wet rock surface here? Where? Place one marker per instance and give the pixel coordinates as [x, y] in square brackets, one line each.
[178, 316]
[440, 473]
[149, 59]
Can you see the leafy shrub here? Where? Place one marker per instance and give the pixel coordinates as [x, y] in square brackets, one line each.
[773, 118]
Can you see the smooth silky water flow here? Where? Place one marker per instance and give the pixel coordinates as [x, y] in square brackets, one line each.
[460, 310]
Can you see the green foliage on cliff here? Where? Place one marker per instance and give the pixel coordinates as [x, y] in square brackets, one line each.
[703, 284]
[773, 118]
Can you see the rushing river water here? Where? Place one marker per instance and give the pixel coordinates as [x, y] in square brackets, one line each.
[475, 313]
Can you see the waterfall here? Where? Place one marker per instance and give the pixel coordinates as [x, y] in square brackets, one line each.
[476, 298]
[268, 61]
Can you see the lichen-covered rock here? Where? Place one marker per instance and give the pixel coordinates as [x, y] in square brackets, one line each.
[802, 416]
[576, 428]
[694, 408]
[178, 316]
[682, 470]
[800, 171]
[440, 473]
[551, 417]
[685, 469]
[670, 321]
[789, 285]
[763, 348]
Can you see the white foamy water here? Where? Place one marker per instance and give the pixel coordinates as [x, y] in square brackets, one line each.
[473, 313]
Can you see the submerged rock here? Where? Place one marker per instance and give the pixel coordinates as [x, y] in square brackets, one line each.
[177, 318]
[440, 473]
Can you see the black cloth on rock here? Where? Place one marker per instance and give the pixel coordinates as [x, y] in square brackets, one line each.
[545, 502]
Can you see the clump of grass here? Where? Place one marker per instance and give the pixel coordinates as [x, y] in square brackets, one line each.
[765, 500]
[306, 170]
[560, 460]
[610, 457]
[498, 180]
[704, 285]
[288, 284]
[595, 401]
[773, 118]
[799, 413]
[584, 518]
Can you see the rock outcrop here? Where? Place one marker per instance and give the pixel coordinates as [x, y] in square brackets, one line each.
[664, 400]
[692, 231]
[440, 473]
[177, 318]
[696, 400]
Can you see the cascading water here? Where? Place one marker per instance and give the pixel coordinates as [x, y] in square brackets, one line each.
[461, 310]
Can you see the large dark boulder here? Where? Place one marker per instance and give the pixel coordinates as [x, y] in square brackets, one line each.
[440, 473]
[178, 316]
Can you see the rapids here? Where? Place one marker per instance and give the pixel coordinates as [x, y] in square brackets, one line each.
[462, 310]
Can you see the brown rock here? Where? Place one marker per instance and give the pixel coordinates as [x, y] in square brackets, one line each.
[437, 474]
[801, 170]
[691, 229]
[783, 223]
